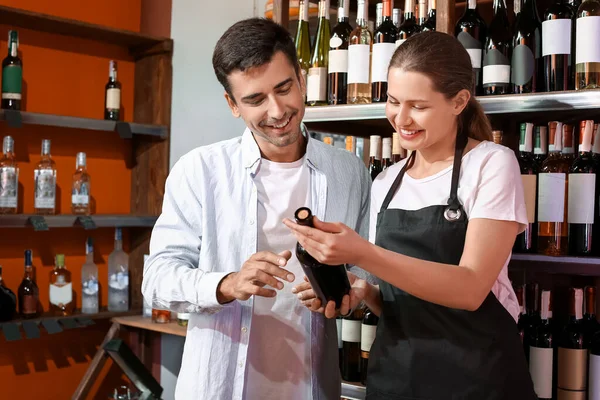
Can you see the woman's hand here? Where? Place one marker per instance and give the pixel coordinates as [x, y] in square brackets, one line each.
[358, 292]
[330, 243]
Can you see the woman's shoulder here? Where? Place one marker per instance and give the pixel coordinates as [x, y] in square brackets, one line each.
[488, 154]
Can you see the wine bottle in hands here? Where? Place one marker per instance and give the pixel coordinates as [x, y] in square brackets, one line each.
[330, 282]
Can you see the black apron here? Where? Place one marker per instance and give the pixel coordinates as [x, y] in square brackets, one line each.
[427, 351]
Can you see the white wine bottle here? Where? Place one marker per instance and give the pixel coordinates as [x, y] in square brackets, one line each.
[359, 58]
[316, 84]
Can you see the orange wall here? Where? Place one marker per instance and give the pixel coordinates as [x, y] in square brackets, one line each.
[66, 76]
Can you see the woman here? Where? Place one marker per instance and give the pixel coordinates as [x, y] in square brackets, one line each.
[443, 223]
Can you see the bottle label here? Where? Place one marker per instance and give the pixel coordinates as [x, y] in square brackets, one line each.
[523, 63]
[90, 286]
[399, 42]
[113, 99]
[554, 40]
[367, 337]
[316, 87]
[61, 295]
[529, 188]
[594, 378]
[572, 368]
[12, 78]
[119, 281]
[80, 196]
[496, 68]
[358, 63]
[30, 303]
[338, 324]
[382, 54]
[335, 42]
[540, 368]
[9, 187]
[45, 188]
[551, 200]
[581, 198]
[473, 47]
[338, 61]
[587, 43]
[351, 331]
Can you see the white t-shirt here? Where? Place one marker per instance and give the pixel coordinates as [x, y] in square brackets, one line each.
[490, 187]
[279, 343]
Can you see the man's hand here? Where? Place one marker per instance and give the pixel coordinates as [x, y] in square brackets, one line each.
[260, 270]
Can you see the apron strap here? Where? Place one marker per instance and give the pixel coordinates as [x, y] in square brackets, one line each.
[409, 163]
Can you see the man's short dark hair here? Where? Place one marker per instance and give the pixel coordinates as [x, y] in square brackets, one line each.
[251, 43]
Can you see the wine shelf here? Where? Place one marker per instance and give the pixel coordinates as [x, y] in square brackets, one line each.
[39, 222]
[588, 266]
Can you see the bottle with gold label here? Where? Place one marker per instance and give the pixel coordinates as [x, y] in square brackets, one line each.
[61, 290]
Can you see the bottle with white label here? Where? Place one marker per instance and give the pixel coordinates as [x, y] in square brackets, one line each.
[587, 52]
[89, 281]
[552, 198]
[80, 189]
[338, 56]
[409, 27]
[572, 352]
[471, 32]
[384, 45]
[583, 207]
[9, 177]
[302, 42]
[525, 242]
[112, 94]
[540, 144]
[351, 331]
[541, 351]
[497, 52]
[118, 276]
[594, 372]
[556, 46]
[526, 63]
[45, 183]
[316, 82]
[61, 290]
[367, 337]
[359, 57]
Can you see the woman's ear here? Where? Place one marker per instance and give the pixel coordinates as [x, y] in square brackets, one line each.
[460, 101]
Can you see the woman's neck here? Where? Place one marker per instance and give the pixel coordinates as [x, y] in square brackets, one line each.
[433, 159]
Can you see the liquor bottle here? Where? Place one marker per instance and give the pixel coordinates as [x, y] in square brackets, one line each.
[351, 337]
[9, 177]
[582, 195]
[568, 148]
[112, 94]
[522, 321]
[61, 291]
[12, 75]
[351, 144]
[182, 319]
[572, 352]
[328, 282]
[471, 32]
[540, 149]
[359, 58]
[409, 27]
[367, 337]
[45, 182]
[375, 156]
[386, 152]
[118, 276]
[161, 316]
[422, 14]
[89, 281]
[541, 351]
[525, 242]
[587, 53]
[431, 17]
[8, 301]
[532, 307]
[594, 372]
[556, 46]
[590, 322]
[553, 197]
[328, 140]
[384, 40]
[497, 136]
[497, 53]
[378, 16]
[316, 82]
[396, 148]
[397, 17]
[526, 65]
[29, 294]
[80, 190]
[303, 47]
[338, 56]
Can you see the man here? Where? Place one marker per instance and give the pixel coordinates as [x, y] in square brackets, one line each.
[220, 250]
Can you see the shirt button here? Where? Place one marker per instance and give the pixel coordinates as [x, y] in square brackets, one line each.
[244, 329]
[241, 364]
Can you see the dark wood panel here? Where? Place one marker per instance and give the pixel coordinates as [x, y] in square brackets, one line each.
[445, 16]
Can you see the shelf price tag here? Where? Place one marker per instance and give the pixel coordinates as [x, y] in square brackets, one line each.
[13, 118]
[124, 130]
[87, 222]
[38, 222]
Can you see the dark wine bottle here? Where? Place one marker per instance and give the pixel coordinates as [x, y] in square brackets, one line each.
[471, 32]
[594, 375]
[409, 27]
[532, 305]
[572, 352]
[367, 336]
[386, 153]
[526, 63]
[541, 352]
[351, 331]
[525, 242]
[338, 56]
[540, 149]
[338, 325]
[112, 94]
[590, 323]
[375, 156]
[12, 75]
[522, 321]
[330, 282]
[384, 44]
[497, 53]
[8, 301]
[28, 292]
[431, 17]
[556, 46]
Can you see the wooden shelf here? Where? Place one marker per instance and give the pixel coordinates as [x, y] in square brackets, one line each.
[68, 221]
[588, 266]
[16, 119]
[141, 322]
[138, 44]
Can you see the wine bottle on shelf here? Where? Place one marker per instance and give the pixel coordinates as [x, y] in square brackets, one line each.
[316, 82]
[568, 147]
[532, 307]
[112, 94]
[338, 325]
[522, 321]
[497, 53]
[378, 15]
[397, 17]
[540, 150]
[367, 337]
[9, 177]
[330, 283]
[541, 351]
[384, 39]
[12, 75]
[553, 197]
[61, 290]
[338, 56]
[302, 42]
[375, 156]
[409, 27]
[422, 14]
[572, 352]
[497, 136]
[45, 182]
[596, 144]
[556, 46]
[397, 155]
[8, 301]
[590, 322]
[118, 276]
[386, 153]
[359, 58]
[80, 189]
[89, 281]
[594, 372]
[471, 32]
[351, 144]
[525, 242]
[431, 17]
[587, 53]
[526, 64]
[582, 195]
[351, 331]
[29, 293]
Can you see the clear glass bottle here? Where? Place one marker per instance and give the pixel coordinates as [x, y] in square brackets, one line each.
[9, 178]
[45, 182]
[61, 289]
[359, 58]
[89, 281]
[80, 191]
[118, 276]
